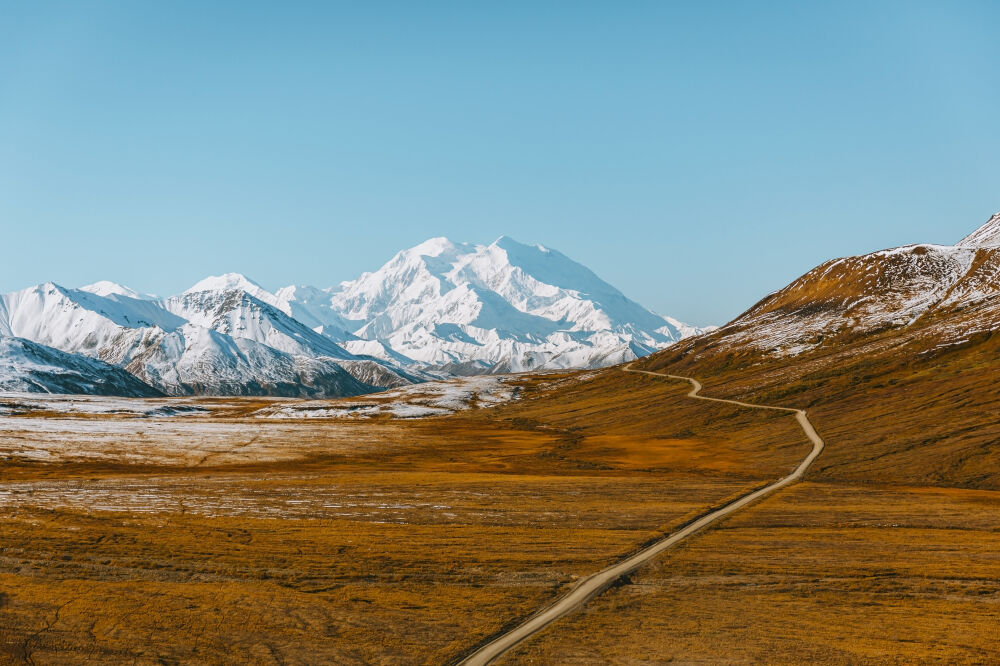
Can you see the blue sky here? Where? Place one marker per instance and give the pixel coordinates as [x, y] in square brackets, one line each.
[695, 155]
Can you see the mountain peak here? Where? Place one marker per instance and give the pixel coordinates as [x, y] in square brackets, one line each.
[987, 235]
[226, 282]
[504, 305]
[108, 288]
[433, 247]
[508, 243]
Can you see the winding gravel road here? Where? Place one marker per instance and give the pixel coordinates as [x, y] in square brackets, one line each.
[591, 586]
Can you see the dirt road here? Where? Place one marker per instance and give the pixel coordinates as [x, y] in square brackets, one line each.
[593, 585]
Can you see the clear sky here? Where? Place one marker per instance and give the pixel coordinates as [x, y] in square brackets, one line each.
[696, 155]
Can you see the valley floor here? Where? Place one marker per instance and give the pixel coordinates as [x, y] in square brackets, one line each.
[821, 573]
[219, 537]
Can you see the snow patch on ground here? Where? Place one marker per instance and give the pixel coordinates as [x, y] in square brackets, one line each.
[24, 403]
[410, 402]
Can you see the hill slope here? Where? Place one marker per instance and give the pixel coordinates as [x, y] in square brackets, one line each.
[893, 352]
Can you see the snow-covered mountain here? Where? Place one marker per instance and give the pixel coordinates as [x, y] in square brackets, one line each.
[236, 306]
[178, 356]
[436, 309]
[198, 360]
[494, 308]
[234, 311]
[28, 367]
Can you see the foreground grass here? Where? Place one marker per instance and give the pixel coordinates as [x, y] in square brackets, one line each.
[820, 573]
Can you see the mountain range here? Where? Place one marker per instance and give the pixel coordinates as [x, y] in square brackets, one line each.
[436, 310]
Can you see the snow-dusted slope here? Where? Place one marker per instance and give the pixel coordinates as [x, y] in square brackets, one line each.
[500, 307]
[312, 307]
[198, 360]
[945, 292]
[29, 367]
[233, 311]
[4, 319]
[987, 235]
[81, 322]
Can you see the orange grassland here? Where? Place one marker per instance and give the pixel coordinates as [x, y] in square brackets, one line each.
[362, 542]
[414, 541]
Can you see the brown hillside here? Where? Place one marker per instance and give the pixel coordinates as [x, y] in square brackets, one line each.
[893, 353]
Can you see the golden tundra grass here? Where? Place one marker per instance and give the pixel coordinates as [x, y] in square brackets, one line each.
[820, 573]
[373, 542]
[410, 542]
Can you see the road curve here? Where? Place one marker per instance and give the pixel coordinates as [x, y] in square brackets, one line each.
[589, 587]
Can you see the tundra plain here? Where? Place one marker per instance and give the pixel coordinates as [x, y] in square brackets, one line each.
[209, 531]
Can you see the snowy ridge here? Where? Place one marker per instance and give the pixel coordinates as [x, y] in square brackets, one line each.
[106, 288]
[944, 292]
[231, 282]
[237, 313]
[987, 235]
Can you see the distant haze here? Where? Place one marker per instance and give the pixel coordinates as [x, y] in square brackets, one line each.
[696, 157]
